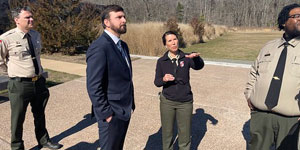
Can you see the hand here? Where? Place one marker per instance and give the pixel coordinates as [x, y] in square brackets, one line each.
[250, 104]
[192, 55]
[168, 77]
[108, 119]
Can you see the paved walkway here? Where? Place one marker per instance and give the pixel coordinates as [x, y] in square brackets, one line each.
[67, 67]
[220, 120]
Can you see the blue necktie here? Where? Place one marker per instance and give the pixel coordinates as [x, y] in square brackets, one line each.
[123, 52]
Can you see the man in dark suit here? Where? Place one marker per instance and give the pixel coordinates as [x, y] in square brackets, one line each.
[109, 80]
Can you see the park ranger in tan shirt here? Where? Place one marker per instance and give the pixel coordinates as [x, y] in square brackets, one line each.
[20, 50]
[273, 88]
[262, 71]
[16, 59]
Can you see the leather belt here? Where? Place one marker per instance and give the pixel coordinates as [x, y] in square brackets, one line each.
[33, 79]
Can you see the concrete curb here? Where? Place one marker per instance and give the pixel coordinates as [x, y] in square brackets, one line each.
[218, 63]
[80, 69]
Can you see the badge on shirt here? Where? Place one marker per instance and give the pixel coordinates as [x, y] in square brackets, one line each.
[181, 64]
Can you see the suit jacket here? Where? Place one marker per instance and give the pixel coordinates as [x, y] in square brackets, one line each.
[109, 79]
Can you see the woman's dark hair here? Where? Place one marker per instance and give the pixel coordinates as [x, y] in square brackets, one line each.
[168, 33]
[107, 10]
[284, 14]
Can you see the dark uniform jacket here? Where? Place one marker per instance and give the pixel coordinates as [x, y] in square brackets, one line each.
[180, 88]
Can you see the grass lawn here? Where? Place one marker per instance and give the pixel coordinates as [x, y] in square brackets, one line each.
[54, 78]
[234, 45]
[237, 46]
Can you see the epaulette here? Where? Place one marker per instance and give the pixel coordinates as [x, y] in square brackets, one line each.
[8, 33]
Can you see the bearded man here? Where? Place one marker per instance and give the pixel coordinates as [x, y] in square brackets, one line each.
[109, 80]
[273, 88]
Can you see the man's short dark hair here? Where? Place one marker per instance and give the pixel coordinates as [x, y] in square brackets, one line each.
[15, 12]
[284, 14]
[164, 40]
[107, 10]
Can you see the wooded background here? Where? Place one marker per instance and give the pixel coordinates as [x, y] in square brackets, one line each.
[69, 26]
[249, 13]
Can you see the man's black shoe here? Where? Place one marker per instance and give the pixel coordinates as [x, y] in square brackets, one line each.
[50, 145]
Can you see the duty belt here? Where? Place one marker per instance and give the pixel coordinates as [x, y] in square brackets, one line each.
[33, 79]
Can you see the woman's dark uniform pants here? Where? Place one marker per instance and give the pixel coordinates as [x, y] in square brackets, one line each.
[182, 113]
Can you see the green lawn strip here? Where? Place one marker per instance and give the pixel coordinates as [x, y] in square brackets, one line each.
[3, 91]
[55, 77]
[234, 46]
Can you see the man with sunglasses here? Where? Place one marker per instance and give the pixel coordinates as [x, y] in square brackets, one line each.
[273, 89]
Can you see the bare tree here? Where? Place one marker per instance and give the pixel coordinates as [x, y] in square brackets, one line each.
[258, 13]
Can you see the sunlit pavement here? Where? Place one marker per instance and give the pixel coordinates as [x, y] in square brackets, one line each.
[220, 120]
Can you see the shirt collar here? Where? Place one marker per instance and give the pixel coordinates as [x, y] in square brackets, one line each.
[22, 34]
[112, 36]
[293, 42]
[169, 55]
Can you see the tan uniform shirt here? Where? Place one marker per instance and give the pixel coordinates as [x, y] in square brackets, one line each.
[15, 59]
[261, 74]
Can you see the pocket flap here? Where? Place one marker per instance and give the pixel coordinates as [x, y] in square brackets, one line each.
[296, 60]
[266, 58]
[113, 96]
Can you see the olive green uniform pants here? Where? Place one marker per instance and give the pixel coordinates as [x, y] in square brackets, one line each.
[182, 113]
[21, 93]
[270, 129]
